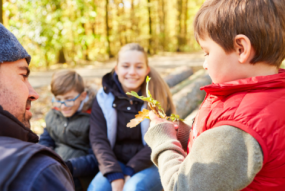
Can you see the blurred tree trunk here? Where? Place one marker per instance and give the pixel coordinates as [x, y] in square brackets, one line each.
[163, 24]
[1, 11]
[124, 27]
[132, 21]
[179, 18]
[119, 32]
[46, 59]
[185, 23]
[61, 57]
[108, 30]
[150, 27]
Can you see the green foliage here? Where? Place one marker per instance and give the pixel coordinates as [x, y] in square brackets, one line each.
[78, 27]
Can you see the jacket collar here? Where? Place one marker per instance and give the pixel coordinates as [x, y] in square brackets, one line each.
[112, 84]
[78, 113]
[10, 126]
[254, 83]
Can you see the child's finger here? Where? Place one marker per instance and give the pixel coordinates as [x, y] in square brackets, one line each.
[176, 126]
[152, 115]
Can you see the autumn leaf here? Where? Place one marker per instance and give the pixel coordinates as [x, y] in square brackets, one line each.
[153, 104]
[138, 118]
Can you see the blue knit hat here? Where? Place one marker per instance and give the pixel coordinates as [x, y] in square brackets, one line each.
[10, 48]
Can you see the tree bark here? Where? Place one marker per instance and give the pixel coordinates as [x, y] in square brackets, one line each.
[189, 98]
[188, 81]
[150, 27]
[181, 73]
[108, 30]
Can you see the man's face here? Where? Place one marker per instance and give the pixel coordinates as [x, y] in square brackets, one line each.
[16, 93]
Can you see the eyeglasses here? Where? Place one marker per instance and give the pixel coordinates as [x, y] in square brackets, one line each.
[67, 103]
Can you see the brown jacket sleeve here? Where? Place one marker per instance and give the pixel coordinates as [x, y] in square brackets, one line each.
[141, 160]
[100, 143]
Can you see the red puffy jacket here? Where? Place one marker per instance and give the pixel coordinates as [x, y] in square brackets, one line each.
[257, 106]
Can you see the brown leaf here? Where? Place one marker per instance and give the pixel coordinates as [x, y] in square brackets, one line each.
[139, 118]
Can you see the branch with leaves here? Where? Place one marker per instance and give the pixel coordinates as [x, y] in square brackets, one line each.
[153, 104]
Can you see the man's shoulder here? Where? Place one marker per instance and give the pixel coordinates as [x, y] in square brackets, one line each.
[42, 173]
[25, 162]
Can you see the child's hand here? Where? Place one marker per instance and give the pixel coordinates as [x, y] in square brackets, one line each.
[127, 178]
[156, 120]
[118, 185]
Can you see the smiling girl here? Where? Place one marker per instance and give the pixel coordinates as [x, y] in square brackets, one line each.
[123, 156]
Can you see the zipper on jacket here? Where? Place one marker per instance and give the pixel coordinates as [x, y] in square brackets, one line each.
[64, 126]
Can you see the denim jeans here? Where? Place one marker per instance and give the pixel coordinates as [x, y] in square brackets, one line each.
[145, 180]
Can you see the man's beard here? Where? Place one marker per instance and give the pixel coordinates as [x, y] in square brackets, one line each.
[24, 120]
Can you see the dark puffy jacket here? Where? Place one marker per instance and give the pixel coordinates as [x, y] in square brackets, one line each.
[128, 147]
[26, 166]
[69, 137]
[82, 166]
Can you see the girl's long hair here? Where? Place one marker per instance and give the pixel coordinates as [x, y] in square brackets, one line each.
[157, 86]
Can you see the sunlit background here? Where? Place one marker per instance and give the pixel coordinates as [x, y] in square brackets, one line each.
[78, 31]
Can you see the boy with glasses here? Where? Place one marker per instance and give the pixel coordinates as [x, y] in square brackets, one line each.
[67, 126]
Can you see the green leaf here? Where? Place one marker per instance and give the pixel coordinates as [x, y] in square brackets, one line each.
[147, 79]
[147, 82]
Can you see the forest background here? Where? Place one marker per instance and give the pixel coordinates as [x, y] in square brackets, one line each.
[75, 32]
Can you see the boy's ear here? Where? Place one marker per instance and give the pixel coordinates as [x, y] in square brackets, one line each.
[116, 68]
[243, 48]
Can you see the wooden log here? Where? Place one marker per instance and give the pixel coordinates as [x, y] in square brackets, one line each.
[188, 81]
[189, 119]
[179, 74]
[188, 99]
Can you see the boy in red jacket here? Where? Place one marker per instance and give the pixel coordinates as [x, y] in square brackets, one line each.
[237, 139]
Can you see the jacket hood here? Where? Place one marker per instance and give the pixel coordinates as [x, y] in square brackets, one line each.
[10, 126]
[91, 93]
[254, 83]
[111, 83]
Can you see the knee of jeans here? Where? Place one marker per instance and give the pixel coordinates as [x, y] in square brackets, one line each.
[139, 186]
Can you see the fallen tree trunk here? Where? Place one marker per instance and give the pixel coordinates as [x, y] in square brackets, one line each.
[188, 99]
[190, 118]
[179, 74]
[188, 81]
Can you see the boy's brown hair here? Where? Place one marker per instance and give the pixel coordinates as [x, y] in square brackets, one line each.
[262, 21]
[64, 81]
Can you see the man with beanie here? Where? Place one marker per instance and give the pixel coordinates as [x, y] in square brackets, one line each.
[25, 166]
